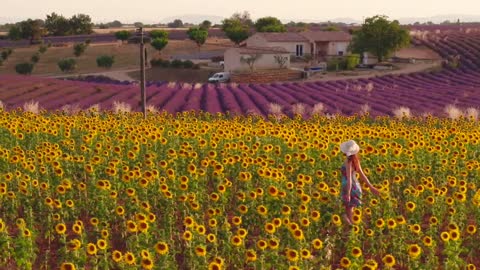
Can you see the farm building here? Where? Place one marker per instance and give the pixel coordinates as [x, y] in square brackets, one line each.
[259, 58]
[318, 44]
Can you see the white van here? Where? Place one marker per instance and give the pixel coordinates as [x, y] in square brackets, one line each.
[219, 77]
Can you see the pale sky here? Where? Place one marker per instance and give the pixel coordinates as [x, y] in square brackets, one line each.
[155, 10]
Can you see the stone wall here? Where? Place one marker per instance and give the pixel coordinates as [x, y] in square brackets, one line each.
[266, 76]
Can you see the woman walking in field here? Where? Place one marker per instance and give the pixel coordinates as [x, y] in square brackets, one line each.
[351, 192]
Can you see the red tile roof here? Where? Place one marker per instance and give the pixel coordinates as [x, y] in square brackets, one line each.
[307, 36]
[262, 50]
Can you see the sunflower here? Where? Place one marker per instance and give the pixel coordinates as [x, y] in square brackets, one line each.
[414, 251]
[454, 235]
[236, 240]
[292, 255]
[201, 251]
[119, 210]
[161, 248]
[117, 256]
[237, 220]
[315, 215]
[211, 238]
[251, 255]
[142, 226]
[273, 243]
[262, 244]
[427, 241]
[356, 252]
[415, 228]
[391, 223]
[388, 260]
[380, 223]
[410, 206]
[131, 226]
[74, 244]
[187, 235]
[298, 234]
[345, 262]
[91, 249]
[102, 244]
[60, 228]
[336, 220]
[214, 266]
[317, 243]
[471, 229]
[67, 266]
[305, 253]
[129, 258]
[242, 232]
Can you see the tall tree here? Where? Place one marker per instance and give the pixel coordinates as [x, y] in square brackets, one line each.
[269, 24]
[206, 24]
[380, 37]
[177, 23]
[81, 24]
[198, 35]
[237, 27]
[57, 25]
[31, 29]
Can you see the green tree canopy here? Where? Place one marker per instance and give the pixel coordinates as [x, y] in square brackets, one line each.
[206, 24]
[269, 24]
[237, 27]
[159, 43]
[380, 37]
[81, 24]
[199, 35]
[57, 25]
[158, 34]
[31, 29]
[123, 35]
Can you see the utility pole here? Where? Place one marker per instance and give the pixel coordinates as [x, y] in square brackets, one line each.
[142, 74]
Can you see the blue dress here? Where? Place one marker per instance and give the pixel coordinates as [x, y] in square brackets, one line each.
[355, 192]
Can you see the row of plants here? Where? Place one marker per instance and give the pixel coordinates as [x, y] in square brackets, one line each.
[176, 63]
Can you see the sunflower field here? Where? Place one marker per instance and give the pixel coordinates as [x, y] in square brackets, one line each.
[202, 191]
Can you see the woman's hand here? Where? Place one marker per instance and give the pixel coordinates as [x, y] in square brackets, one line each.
[374, 190]
[346, 198]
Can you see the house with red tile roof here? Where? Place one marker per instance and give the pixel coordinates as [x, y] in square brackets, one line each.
[317, 44]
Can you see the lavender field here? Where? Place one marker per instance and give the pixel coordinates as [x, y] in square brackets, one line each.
[453, 89]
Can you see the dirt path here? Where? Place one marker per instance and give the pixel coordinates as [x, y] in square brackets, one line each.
[403, 69]
[120, 75]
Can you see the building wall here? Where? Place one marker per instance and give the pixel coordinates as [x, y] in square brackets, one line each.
[336, 46]
[265, 61]
[291, 47]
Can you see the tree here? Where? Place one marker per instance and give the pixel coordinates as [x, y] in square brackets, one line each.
[175, 24]
[105, 61]
[123, 35]
[269, 24]
[158, 34]
[57, 25]
[159, 43]
[250, 60]
[67, 64]
[15, 33]
[81, 24]
[31, 29]
[198, 35]
[237, 27]
[115, 24]
[206, 24]
[281, 60]
[79, 49]
[380, 37]
[138, 24]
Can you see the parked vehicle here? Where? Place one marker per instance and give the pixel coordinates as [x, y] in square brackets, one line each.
[220, 77]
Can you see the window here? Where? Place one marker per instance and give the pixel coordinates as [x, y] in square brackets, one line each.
[299, 51]
[340, 53]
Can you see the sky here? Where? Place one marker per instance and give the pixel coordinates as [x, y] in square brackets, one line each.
[150, 11]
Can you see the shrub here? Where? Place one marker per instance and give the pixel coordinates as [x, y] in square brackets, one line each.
[6, 53]
[188, 64]
[79, 49]
[336, 64]
[42, 49]
[24, 68]
[352, 61]
[35, 58]
[105, 61]
[88, 41]
[160, 63]
[67, 64]
[123, 35]
[176, 63]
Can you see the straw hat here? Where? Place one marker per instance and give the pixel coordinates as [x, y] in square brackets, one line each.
[349, 148]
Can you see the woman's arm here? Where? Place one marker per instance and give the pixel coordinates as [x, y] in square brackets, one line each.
[348, 186]
[365, 179]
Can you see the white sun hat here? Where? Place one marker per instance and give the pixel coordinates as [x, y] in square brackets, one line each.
[349, 148]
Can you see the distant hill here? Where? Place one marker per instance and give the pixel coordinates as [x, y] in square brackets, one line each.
[193, 18]
[441, 18]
